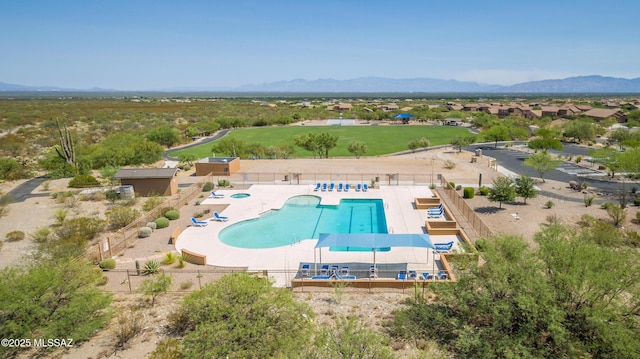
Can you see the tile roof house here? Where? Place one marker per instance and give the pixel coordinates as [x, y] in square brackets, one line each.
[149, 181]
[599, 114]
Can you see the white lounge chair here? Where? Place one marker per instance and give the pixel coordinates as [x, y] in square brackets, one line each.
[219, 218]
[216, 195]
[197, 223]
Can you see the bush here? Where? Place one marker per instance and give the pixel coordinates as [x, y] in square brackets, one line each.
[80, 229]
[164, 210]
[112, 195]
[468, 192]
[15, 236]
[224, 183]
[638, 217]
[549, 204]
[152, 225]
[172, 215]
[170, 258]
[452, 184]
[602, 168]
[151, 267]
[151, 203]
[81, 181]
[121, 216]
[41, 235]
[588, 200]
[107, 264]
[484, 191]
[162, 222]
[636, 201]
[144, 232]
[207, 187]
[448, 164]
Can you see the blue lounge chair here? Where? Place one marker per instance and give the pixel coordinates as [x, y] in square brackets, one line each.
[324, 187]
[322, 277]
[443, 275]
[426, 276]
[347, 277]
[365, 187]
[324, 270]
[340, 187]
[344, 270]
[443, 247]
[219, 218]
[435, 214]
[347, 187]
[304, 270]
[318, 185]
[434, 209]
[358, 187]
[332, 186]
[335, 269]
[197, 223]
[402, 275]
[413, 275]
[216, 195]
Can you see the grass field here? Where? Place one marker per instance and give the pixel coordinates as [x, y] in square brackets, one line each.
[379, 139]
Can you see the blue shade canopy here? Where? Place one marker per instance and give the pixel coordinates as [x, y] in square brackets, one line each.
[373, 240]
[403, 115]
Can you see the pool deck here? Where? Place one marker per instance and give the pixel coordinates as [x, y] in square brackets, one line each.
[283, 262]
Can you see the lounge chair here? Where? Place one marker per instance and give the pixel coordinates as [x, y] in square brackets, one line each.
[332, 186]
[335, 269]
[413, 275]
[347, 187]
[216, 195]
[304, 270]
[435, 214]
[402, 275]
[439, 208]
[197, 223]
[443, 275]
[426, 276]
[322, 277]
[365, 187]
[344, 270]
[324, 270]
[318, 186]
[443, 247]
[347, 277]
[373, 272]
[340, 187]
[358, 187]
[324, 187]
[219, 218]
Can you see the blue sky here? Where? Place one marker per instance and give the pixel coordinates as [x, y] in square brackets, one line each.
[139, 45]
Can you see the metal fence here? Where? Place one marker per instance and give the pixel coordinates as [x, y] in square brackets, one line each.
[294, 178]
[469, 214]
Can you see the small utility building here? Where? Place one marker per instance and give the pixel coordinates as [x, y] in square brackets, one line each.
[149, 181]
[217, 166]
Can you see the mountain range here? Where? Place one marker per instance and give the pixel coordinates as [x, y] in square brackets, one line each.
[579, 84]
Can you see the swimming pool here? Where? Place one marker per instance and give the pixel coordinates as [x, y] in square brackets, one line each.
[303, 217]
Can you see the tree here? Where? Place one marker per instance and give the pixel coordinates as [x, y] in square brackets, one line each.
[187, 158]
[497, 133]
[617, 214]
[230, 146]
[358, 148]
[318, 143]
[348, 339]
[156, 286]
[243, 316]
[461, 141]
[502, 190]
[547, 139]
[164, 136]
[413, 145]
[581, 130]
[542, 162]
[525, 187]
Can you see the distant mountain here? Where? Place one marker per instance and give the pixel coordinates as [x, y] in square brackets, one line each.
[579, 84]
[369, 84]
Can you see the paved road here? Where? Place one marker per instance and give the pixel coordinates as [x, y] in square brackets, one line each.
[513, 160]
[24, 191]
[219, 134]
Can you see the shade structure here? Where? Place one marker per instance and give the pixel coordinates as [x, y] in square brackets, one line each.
[404, 115]
[373, 241]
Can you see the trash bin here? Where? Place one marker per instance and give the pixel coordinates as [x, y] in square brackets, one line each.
[478, 152]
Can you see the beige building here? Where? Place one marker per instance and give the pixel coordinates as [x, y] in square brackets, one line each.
[217, 166]
[148, 182]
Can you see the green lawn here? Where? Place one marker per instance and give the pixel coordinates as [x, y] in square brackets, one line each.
[379, 139]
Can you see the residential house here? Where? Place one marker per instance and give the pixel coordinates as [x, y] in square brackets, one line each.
[600, 114]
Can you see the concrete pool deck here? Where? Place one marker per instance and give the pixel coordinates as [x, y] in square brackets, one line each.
[282, 263]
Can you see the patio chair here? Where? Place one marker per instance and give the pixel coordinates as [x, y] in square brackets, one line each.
[402, 275]
[216, 195]
[365, 187]
[318, 186]
[347, 187]
[197, 223]
[443, 275]
[413, 275]
[426, 276]
[304, 270]
[331, 187]
[340, 187]
[335, 269]
[435, 214]
[344, 270]
[219, 218]
[324, 270]
[436, 209]
[324, 187]
[358, 187]
[443, 247]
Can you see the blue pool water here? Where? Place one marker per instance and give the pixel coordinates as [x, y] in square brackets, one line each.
[303, 217]
[240, 195]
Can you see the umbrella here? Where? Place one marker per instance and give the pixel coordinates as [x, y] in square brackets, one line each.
[404, 116]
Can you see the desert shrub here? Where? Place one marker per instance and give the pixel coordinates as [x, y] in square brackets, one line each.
[60, 215]
[224, 183]
[107, 264]
[617, 214]
[14, 236]
[452, 184]
[162, 222]
[172, 215]
[549, 204]
[112, 195]
[121, 216]
[448, 164]
[127, 325]
[82, 181]
[636, 201]
[181, 261]
[186, 285]
[151, 267]
[152, 225]
[578, 159]
[602, 167]
[638, 217]
[484, 191]
[170, 258]
[588, 200]
[186, 167]
[553, 219]
[144, 232]
[207, 187]
[151, 203]
[170, 348]
[606, 205]
[631, 238]
[164, 210]
[458, 187]
[1, 244]
[41, 235]
[80, 229]
[468, 192]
